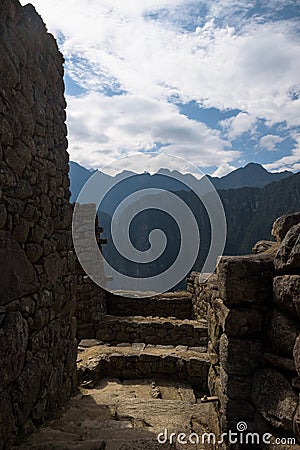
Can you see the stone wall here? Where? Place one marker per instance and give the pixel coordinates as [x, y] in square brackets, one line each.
[236, 335]
[90, 298]
[90, 307]
[152, 330]
[137, 361]
[37, 282]
[254, 341]
[170, 304]
[202, 292]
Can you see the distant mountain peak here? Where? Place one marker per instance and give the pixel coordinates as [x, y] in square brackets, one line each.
[252, 175]
[255, 166]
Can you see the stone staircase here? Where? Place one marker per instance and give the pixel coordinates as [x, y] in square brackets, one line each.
[169, 304]
[152, 330]
[123, 416]
[143, 375]
[147, 346]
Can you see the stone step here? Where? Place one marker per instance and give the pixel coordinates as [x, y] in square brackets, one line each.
[119, 415]
[138, 361]
[170, 304]
[152, 330]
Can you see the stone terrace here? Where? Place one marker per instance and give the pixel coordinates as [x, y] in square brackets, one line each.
[152, 330]
[169, 304]
[131, 347]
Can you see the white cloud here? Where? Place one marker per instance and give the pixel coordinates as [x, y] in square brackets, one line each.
[223, 170]
[250, 65]
[102, 129]
[290, 162]
[238, 125]
[252, 71]
[269, 141]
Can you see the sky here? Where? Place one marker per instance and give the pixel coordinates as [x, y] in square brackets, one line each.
[216, 82]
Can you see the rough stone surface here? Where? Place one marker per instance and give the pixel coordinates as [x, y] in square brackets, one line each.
[283, 224]
[288, 255]
[264, 247]
[17, 275]
[239, 356]
[245, 279]
[296, 422]
[296, 354]
[203, 288]
[254, 342]
[14, 340]
[123, 416]
[283, 332]
[286, 290]
[135, 363]
[152, 330]
[274, 398]
[91, 299]
[7, 421]
[279, 362]
[37, 283]
[175, 304]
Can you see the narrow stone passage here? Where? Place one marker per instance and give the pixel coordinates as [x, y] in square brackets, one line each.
[143, 378]
[117, 415]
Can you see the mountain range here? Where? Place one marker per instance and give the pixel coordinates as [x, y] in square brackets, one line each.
[252, 199]
[252, 175]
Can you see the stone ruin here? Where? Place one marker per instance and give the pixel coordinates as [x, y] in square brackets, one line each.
[234, 337]
[252, 306]
[37, 277]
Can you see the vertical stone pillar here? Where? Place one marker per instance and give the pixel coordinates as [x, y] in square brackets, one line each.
[91, 298]
[236, 336]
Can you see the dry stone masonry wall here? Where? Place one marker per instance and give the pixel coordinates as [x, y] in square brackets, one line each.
[37, 282]
[201, 293]
[253, 311]
[170, 304]
[152, 330]
[90, 298]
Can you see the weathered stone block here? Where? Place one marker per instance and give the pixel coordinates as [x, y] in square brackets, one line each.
[21, 231]
[274, 398]
[286, 291]
[214, 323]
[17, 276]
[7, 422]
[283, 224]
[3, 216]
[279, 362]
[14, 161]
[238, 356]
[28, 386]
[52, 266]
[296, 354]
[287, 257]
[296, 421]
[246, 321]
[13, 338]
[34, 252]
[236, 387]
[283, 333]
[245, 279]
[243, 323]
